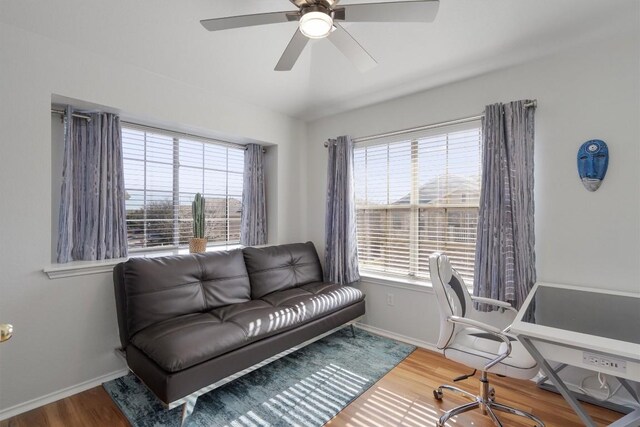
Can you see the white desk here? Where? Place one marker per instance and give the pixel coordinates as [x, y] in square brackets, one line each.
[589, 328]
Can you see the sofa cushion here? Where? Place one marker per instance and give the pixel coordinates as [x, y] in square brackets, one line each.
[287, 309]
[182, 342]
[259, 319]
[170, 387]
[157, 289]
[224, 278]
[276, 268]
[315, 299]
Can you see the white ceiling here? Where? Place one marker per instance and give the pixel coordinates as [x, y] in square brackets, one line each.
[468, 37]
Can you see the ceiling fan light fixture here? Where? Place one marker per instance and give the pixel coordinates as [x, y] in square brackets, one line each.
[316, 24]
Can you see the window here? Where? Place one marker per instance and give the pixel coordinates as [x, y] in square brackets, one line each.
[162, 174]
[416, 196]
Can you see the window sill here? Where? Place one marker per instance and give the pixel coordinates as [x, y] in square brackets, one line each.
[395, 282]
[83, 268]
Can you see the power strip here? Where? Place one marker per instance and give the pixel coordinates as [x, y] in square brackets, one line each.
[604, 362]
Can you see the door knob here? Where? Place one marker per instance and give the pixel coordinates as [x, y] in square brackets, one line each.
[6, 331]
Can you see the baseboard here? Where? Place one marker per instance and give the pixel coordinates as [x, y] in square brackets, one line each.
[398, 337]
[60, 394]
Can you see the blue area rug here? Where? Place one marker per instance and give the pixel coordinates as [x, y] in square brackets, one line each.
[306, 388]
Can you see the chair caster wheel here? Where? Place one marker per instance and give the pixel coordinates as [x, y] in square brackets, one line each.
[437, 394]
[492, 394]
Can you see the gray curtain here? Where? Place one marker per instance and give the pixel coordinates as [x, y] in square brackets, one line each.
[92, 221]
[341, 251]
[505, 255]
[253, 224]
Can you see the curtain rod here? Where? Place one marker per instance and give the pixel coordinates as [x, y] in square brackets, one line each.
[83, 116]
[62, 113]
[532, 104]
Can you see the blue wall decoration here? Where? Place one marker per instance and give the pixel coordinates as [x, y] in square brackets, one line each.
[593, 160]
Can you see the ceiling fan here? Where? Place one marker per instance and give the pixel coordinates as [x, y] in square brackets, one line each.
[320, 18]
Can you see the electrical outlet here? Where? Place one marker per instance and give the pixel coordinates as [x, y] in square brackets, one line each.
[606, 362]
[390, 301]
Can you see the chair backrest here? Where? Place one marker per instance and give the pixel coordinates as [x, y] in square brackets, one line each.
[451, 293]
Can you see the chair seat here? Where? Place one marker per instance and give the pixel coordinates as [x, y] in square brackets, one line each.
[472, 347]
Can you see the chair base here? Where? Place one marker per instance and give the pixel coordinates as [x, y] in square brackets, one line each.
[485, 402]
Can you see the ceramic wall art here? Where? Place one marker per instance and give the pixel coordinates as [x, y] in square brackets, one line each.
[593, 160]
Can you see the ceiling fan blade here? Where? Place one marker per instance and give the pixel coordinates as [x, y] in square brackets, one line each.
[292, 52]
[226, 23]
[397, 11]
[352, 49]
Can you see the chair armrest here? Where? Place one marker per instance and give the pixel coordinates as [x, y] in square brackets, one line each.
[497, 303]
[492, 330]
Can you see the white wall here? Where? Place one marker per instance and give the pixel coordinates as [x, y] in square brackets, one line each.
[591, 239]
[65, 329]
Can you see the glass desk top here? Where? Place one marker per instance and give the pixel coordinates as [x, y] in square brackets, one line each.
[610, 316]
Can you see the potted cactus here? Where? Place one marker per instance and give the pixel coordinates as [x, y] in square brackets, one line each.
[198, 243]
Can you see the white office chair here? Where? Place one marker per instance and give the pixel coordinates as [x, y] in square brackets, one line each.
[478, 345]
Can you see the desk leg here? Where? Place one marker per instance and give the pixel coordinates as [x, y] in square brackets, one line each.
[629, 389]
[630, 420]
[557, 381]
[557, 369]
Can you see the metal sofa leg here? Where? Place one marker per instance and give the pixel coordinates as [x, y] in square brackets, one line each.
[187, 409]
[353, 331]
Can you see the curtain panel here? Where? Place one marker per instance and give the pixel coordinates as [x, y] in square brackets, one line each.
[253, 222]
[505, 253]
[92, 220]
[341, 250]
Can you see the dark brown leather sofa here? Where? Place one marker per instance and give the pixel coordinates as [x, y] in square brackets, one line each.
[187, 322]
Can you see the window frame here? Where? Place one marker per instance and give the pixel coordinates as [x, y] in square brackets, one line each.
[175, 193]
[415, 208]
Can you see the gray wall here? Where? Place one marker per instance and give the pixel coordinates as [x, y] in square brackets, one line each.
[66, 328]
[590, 239]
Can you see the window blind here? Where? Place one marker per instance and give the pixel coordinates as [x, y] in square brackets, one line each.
[163, 172]
[416, 196]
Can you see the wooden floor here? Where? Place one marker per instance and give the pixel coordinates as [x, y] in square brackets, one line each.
[403, 397]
